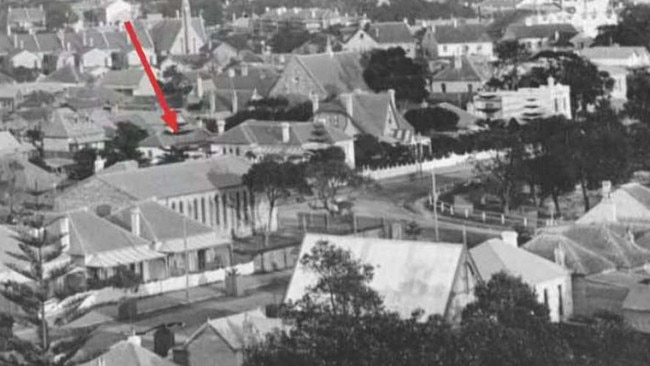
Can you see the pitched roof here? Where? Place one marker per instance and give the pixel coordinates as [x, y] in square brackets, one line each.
[90, 234]
[8, 143]
[468, 71]
[630, 203]
[164, 139]
[162, 225]
[179, 179]
[95, 96]
[465, 33]
[28, 175]
[67, 74]
[495, 255]
[390, 32]
[408, 274]
[66, 123]
[519, 31]
[340, 71]
[127, 353]
[589, 249]
[260, 79]
[369, 111]
[127, 78]
[165, 32]
[269, 133]
[239, 330]
[615, 52]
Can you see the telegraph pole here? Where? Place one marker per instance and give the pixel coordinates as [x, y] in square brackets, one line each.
[434, 192]
[187, 261]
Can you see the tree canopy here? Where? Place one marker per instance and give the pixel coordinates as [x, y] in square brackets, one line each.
[392, 69]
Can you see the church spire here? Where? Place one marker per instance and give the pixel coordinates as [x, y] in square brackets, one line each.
[186, 18]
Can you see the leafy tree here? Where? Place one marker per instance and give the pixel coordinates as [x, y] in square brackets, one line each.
[10, 191]
[285, 40]
[638, 95]
[391, 69]
[22, 74]
[124, 145]
[326, 173]
[58, 15]
[173, 155]
[510, 54]
[506, 325]
[426, 120]
[84, 164]
[416, 9]
[274, 180]
[39, 262]
[413, 230]
[368, 150]
[212, 11]
[588, 84]
[632, 29]
[272, 109]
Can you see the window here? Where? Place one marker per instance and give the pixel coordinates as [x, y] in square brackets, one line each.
[180, 206]
[443, 87]
[479, 48]
[560, 303]
[174, 206]
[444, 48]
[225, 210]
[470, 88]
[546, 297]
[203, 210]
[216, 209]
[557, 106]
[196, 209]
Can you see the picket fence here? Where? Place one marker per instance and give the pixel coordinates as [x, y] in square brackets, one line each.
[426, 166]
[111, 295]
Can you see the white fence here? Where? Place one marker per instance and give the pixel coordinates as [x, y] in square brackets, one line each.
[111, 294]
[425, 166]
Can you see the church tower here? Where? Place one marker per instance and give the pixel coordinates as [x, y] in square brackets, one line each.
[186, 18]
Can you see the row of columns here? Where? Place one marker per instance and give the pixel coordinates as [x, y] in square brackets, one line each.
[225, 211]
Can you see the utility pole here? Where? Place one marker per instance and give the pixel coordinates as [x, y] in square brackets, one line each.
[187, 261]
[434, 192]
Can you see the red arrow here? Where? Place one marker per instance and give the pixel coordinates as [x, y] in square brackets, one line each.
[169, 115]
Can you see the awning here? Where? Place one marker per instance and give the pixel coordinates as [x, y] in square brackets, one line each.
[115, 258]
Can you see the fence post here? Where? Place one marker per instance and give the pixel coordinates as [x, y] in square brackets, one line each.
[503, 219]
[451, 210]
[483, 216]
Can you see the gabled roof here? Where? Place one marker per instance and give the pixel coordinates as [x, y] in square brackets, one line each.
[8, 143]
[467, 71]
[240, 330]
[28, 175]
[369, 111]
[630, 203]
[90, 234]
[67, 75]
[95, 96]
[407, 274]
[462, 33]
[495, 255]
[340, 71]
[390, 32]
[171, 180]
[613, 52]
[162, 225]
[127, 78]
[66, 123]
[127, 353]
[589, 249]
[269, 133]
[165, 31]
[543, 31]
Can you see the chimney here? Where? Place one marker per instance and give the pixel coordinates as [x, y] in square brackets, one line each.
[391, 94]
[458, 62]
[606, 189]
[64, 230]
[22, 44]
[8, 30]
[231, 73]
[560, 256]
[199, 87]
[510, 238]
[135, 221]
[84, 39]
[221, 126]
[244, 70]
[213, 102]
[314, 102]
[134, 339]
[551, 81]
[454, 22]
[235, 102]
[349, 104]
[99, 164]
[328, 47]
[286, 129]
[406, 20]
[15, 41]
[178, 14]
[91, 42]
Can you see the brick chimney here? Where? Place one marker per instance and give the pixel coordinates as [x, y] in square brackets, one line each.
[221, 126]
[314, 102]
[135, 221]
[510, 237]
